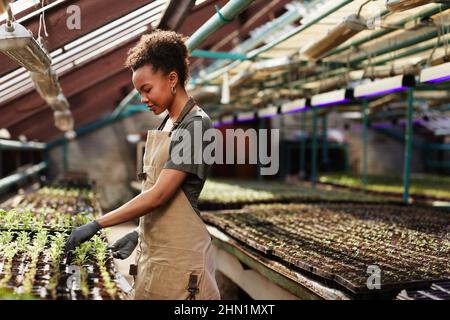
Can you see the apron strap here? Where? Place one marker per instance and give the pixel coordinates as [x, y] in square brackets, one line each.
[163, 123]
[187, 108]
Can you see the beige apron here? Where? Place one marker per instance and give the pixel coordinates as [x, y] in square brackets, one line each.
[175, 257]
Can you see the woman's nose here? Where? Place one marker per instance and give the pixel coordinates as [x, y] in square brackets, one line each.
[144, 99]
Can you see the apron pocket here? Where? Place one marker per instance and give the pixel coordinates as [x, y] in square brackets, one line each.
[168, 282]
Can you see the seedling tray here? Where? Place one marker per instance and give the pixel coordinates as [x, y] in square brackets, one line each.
[50, 279]
[339, 242]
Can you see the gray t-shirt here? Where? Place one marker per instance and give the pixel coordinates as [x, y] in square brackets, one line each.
[195, 123]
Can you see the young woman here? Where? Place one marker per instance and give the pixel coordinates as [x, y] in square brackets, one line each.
[174, 258]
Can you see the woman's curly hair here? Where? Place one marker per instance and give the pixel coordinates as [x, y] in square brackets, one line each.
[163, 50]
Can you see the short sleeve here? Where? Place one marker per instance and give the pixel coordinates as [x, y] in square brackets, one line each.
[187, 146]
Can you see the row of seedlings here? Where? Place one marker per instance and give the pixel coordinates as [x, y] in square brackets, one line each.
[410, 246]
[223, 195]
[33, 262]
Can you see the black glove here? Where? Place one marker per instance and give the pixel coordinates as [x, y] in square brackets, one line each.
[82, 234]
[122, 248]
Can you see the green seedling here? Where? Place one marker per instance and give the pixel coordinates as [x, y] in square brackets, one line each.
[82, 253]
[22, 241]
[101, 249]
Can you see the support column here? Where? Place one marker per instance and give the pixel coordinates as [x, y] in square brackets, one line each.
[65, 152]
[303, 144]
[408, 144]
[365, 141]
[314, 148]
[261, 125]
[325, 155]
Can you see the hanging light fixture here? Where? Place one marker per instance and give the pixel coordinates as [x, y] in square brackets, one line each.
[246, 116]
[402, 5]
[64, 120]
[227, 120]
[294, 106]
[435, 74]
[4, 6]
[70, 135]
[384, 86]
[58, 103]
[268, 112]
[351, 26]
[332, 98]
[18, 43]
[46, 84]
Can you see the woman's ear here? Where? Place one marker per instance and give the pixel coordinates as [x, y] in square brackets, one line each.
[173, 79]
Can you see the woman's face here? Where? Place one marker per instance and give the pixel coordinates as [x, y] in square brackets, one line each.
[154, 87]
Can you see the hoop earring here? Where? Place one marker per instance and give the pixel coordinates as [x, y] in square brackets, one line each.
[173, 90]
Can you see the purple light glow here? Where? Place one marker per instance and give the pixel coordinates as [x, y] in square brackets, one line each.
[381, 125]
[389, 125]
[299, 109]
[442, 79]
[268, 116]
[246, 119]
[332, 103]
[379, 93]
[416, 122]
[356, 128]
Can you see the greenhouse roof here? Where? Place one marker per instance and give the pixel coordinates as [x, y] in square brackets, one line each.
[89, 61]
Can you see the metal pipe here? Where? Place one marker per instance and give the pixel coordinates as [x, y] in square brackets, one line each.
[409, 42]
[407, 53]
[109, 119]
[365, 111]
[325, 156]
[20, 176]
[228, 12]
[413, 41]
[64, 157]
[253, 54]
[311, 21]
[261, 125]
[424, 13]
[19, 145]
[303, 145]
[408, 144]
[275, 25]
[218, 55]
[421, 14]
[314, 149]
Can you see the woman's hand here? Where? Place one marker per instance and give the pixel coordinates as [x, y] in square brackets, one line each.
[82, 234]
[122, 248]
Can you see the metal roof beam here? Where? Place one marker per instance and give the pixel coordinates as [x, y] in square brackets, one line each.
[175, 14]
[87, 106]
[79, 80]
[94, 15]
